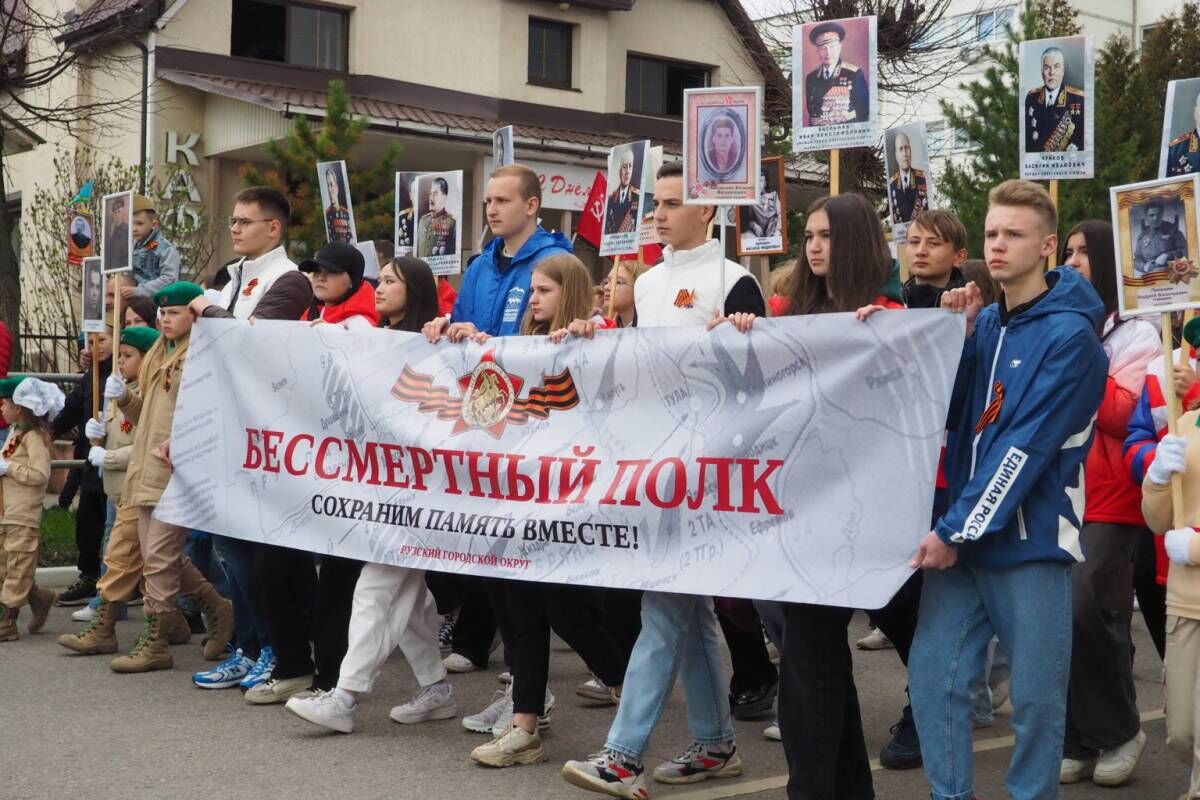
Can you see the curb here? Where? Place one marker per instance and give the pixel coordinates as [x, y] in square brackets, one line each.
[56, 577]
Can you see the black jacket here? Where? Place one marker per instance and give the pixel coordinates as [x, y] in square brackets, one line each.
[76, 412]
[926, 296]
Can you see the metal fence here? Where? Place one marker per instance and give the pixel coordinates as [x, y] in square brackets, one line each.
[55, 350]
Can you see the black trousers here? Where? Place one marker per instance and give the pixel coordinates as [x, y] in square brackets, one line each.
[526, 612]
[1101, 701]
[475, 626]
[301, 605]
[898, 619]
[819, 716]
[752, 667]
[89, 531]
[623, 614]
[1151, 596]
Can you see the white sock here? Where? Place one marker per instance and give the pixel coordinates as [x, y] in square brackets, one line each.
[344, 696]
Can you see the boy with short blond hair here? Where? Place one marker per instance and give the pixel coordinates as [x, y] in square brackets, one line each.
[999, 559]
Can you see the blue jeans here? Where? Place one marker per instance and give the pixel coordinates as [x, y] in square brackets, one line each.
[250, 624]
[679, 636]
[1028, 608]
[995, 673]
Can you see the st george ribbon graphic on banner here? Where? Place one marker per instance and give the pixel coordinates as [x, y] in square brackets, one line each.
[794, 463]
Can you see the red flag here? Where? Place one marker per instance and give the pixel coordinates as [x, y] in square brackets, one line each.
[651, 253]
[591, 219]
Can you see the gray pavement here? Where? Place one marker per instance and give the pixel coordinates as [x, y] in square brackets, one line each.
[74, 729]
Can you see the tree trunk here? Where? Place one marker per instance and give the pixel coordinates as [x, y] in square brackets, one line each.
[10, 270]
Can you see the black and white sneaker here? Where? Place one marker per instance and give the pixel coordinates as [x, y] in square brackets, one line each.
[78, 593]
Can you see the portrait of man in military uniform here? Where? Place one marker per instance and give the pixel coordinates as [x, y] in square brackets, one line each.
[339, 220]
[1054, 111]
[907, 187]
[1183, 152]
[836, 91]
[117, 235]
[621, 211]
[404, 213]
[1159, 241]
[437, 233]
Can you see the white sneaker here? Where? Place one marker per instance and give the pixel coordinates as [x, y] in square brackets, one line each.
[772, 732]
[597, 691]
[506, 716]
[278, 690]
[486, 719]
[325, 709]
[431, 702]
[875, 640]
[1115, 766]
[504, 677]
[773, 653]
[458, 663]
[1073, 770]
[84, 614]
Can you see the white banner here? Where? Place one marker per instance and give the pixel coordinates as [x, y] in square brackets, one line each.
[796, 463]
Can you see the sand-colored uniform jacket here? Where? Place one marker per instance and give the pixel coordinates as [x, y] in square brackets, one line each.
[150, 406]
[24, 487]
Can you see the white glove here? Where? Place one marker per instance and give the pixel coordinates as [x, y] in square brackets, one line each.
[1168, 459]
[96, 456]
[3, 467]
[1178, 543]
[114, 387]
[94, 429]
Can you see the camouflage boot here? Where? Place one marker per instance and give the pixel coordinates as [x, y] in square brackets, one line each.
[100, 635]
[150, 652]
[40, 602]
[8, 624]
[218, 619]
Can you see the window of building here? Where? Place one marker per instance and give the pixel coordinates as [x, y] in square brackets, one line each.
[655, 86]
[291, 33]
[550, 53]
[992, 26]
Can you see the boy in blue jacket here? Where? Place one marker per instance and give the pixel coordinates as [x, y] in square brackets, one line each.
[495, 289]
[999, 560]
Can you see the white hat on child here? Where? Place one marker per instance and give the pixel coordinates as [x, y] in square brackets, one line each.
[43, 399]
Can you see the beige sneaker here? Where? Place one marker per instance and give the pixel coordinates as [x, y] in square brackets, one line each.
[1116, 766]
[1073, 770]
[278, 690]
[514, 746]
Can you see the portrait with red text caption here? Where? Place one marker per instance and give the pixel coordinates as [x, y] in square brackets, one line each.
[721, 133]
[1156, 241]
[647, 458]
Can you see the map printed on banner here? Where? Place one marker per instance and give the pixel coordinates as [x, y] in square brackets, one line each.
[669, 459]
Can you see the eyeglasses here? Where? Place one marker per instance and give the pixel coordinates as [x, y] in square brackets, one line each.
[241, 222]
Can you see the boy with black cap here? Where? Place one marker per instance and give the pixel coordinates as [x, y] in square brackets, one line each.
[156, 261]
[166, 570]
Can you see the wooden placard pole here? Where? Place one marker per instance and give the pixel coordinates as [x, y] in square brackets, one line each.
[1050, 261]
[835, 171]
[1173, 412]
[116, 334]
[95, 340]
[612, 286]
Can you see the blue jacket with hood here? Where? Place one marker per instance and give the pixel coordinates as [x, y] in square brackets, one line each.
[1021, 419]
[495, 301]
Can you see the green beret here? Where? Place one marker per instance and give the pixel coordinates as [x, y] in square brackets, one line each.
[140, 337]
[179, 293]
[1191, 332]
[9, 385]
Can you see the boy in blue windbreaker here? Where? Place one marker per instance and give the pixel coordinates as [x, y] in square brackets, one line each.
[999, 559]
[495, 289]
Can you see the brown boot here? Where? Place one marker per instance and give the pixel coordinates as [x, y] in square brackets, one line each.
[8, 624]
[150, 652]
[40, 602]
[176, 629]
[100, 635]
[218, 620]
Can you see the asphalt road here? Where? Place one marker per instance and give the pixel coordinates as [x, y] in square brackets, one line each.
[74, 729]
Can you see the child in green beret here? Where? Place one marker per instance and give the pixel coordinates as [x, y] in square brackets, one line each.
[167, 572]
[28, 405]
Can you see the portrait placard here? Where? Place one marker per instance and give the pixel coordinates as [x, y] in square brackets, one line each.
[1179, 153]
[405, 221]
[92, 302]
[1058, 87]
[116, 210]
[438, 240]
[1155, 239]
[910, 181]
[647, 232]
[762, 227]
[81, 236]
[335, 199]
[502, 147]
[721, 132]
[835, 96]
[623, 204]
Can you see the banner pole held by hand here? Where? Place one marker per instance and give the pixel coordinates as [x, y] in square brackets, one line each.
[1172, 415]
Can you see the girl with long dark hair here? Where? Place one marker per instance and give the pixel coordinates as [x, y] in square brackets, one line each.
[407, 295]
